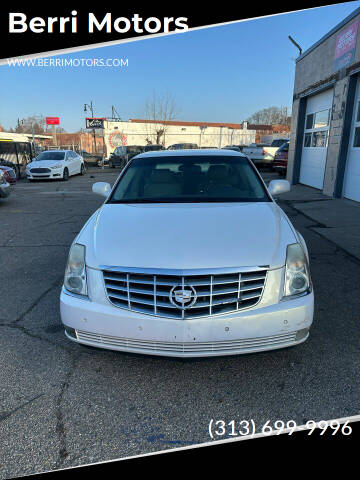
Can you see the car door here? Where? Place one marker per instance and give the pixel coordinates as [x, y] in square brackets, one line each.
[70, 162]
[117, 156]
[78, 162]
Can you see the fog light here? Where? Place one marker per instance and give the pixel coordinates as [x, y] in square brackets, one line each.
[75, 283]
[301, 334]
[71, 332]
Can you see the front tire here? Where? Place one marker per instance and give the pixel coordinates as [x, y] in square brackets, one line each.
[82, 169]
[65, 175]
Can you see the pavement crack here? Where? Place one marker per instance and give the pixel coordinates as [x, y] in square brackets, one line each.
[60, 422]
[38, 300]
[27, 230]
[25, 331]
[4, 416]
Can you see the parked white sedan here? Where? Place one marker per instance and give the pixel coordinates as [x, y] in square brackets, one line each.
[55, 164]
[189, 256]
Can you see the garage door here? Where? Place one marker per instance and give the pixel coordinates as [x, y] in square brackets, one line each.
[352, 171]
[315, 142]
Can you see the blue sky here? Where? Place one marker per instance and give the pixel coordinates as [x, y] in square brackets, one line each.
[221, 74]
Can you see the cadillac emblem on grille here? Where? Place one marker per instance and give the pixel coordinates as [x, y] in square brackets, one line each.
[183, 297]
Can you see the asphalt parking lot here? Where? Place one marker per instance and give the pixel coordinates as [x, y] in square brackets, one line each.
[62, 404]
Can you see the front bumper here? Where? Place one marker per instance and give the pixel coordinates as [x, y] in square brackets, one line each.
[4, 190]
[54, 174]
[268, 326]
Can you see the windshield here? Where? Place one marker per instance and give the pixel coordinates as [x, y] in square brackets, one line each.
[188, 179]
[278, 143]
[149, 148]
[133, 149]
[50, 156]
[284, 147]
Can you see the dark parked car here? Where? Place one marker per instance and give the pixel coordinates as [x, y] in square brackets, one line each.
[281, 160]
[90, 159]
[236, 148]
[183, 146]
[121, 155]
[152, 148]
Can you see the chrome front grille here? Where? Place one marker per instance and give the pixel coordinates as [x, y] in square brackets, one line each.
[210, 293]
[188, 348]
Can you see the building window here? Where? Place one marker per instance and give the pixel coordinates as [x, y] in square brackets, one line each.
[319, 139]
[357, 134]
[322, 119]
[358, 113]
[309, 121]
[317, 120]
[314, 121]
[307, 140]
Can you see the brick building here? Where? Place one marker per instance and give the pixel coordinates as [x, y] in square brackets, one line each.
[78, 140]
[324, 150]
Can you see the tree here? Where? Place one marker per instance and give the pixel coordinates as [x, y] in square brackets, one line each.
[159, 109]
[270, 116]
[34, 123]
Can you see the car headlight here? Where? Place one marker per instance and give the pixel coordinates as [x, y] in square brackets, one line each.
[75, 273]
[297, 274]
[54, 167]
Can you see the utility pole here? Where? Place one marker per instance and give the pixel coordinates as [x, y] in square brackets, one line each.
[21, 123]
[90, 105]
[114, 113]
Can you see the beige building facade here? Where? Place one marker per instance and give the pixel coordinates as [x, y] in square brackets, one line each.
[324, 151]
[202, 134]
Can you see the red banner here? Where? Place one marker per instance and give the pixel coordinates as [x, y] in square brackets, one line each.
[52, 120]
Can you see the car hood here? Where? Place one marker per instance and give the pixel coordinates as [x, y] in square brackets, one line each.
[44, 163]
[187, 236]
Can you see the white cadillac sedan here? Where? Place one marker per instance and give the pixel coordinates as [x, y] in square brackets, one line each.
[188, 256]
[55, 164]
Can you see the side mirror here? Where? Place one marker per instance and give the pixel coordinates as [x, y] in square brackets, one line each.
[101, 188]
[278, 186]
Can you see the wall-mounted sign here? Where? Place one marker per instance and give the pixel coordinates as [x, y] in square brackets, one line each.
[52, 120]
[345, 46]
[95, 122]
[117, 139]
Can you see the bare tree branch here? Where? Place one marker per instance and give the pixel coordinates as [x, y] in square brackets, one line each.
[159, 109]
[270, 116]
